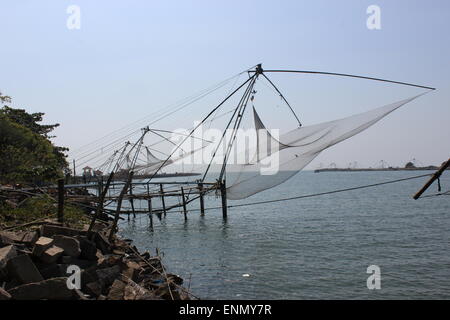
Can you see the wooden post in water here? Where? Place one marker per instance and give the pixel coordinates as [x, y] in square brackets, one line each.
[119, 204]
[101, 199]
[435, 176]
[149, 200]
[99, 187]
[202, 201]
[162, 198]
[61, 200]
[184, 203]
[223, 192]
[131, 202]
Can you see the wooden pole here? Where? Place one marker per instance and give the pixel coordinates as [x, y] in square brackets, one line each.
[74, 172]
[131, 202]
[435, 176]
[119, 204]
[101, 199]
[162, 199]
[149, 200]
[202, 201]
[223, 192]
[184, 204]
[61, 200]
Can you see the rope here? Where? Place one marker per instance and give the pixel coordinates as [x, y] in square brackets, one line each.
[311, 195]
[446, 193]
[331, 192]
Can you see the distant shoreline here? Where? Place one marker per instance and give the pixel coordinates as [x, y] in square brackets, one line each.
[375, 169]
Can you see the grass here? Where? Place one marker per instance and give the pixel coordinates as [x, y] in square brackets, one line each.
[35, 208]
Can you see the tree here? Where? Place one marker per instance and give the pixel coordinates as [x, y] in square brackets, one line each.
[410, 165]
[26, 152]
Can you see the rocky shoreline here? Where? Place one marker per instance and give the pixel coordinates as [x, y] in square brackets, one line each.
[51, 261]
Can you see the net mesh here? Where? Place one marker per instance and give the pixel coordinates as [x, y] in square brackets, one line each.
[296, 149]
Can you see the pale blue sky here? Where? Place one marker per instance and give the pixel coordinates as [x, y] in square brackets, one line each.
[131, 57]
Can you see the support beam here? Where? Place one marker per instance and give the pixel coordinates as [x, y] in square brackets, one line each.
[119, 204]
[131, 202]
[101, 199]
[432, 179]
[202, 200]
[162, 199]
[149, 201]
[184, 204]
[223, 192]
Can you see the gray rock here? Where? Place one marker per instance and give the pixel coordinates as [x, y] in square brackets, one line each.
[48, 230]
[88, 249]
[26, 237]
[4, 295]
[51, 255]
[117, 290]
[107, 276]
[6, 254]
[51, 289]
[23, 269]
[42, 244]
[70, 245]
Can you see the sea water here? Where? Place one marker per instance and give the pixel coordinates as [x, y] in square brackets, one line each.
[312, 248]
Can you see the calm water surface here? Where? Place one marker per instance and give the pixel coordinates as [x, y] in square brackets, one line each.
[314, 248]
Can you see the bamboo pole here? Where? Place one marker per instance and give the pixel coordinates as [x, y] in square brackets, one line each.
[149, 201]
[162, 198]
[131, 200]
[119, 204]
[101, 199]
[184, 204]
[202, 201]
[435, 176]
[223, 192]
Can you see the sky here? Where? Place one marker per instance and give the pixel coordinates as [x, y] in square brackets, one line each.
[128, 59]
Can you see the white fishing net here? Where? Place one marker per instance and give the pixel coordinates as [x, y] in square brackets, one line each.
[296, 149]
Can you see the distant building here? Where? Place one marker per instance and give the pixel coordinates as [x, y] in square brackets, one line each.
[87, 171]
[98, 173]
[410, 165]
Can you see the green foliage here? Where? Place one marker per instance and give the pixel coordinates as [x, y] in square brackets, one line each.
[40, 208]
[25, 156]
[26, 153]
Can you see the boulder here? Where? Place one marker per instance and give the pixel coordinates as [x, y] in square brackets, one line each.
[117, 290]
[26, 237]
[66, 259]
[87, 276]
[132, 270]
[23, 269]
[4, 295]
[107, 276]
[48, 230]
[41, 245]
[5, 240]
[94, 289]
[52, 271]
[51, 289]
[6, 254]
[102, 243]
[51, 255]
[83, 264]
[88, 249]
[70, 245]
